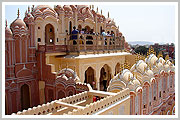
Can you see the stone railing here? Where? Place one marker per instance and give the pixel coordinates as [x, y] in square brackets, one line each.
[81, 87]
[84, 43]
[52, 48]
[92, 108]
[90, 42]
[52, 107]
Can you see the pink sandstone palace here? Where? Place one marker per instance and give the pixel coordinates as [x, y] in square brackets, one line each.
[50, 71]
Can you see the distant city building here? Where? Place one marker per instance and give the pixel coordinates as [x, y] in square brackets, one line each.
[166, 48]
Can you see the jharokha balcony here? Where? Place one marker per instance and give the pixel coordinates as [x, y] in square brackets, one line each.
[83, 43]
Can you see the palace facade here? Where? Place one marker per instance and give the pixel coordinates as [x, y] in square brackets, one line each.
[44, 64]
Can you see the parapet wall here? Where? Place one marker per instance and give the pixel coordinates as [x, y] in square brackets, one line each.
[52, 107]
[81, 87]
[92, 108]
[89, 109]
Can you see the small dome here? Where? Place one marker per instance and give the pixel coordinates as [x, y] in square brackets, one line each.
[81, 6]
[8, 32]
[133, 68]
[98, 14]
[126, 74]
[168, 62]
[131, 86]
[86, 11]
[64, 77]
[73, 7]
[159, 65]
[136, 82]
[141, 66]
[42, 8]
[152, 59]
[108, 20]
[149, 73]
[59, 7]
[67, 8]
[166, 67]
[48, 10]
[161, 60]
[18, 22]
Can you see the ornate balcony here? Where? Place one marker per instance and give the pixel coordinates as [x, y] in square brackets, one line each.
[89, 42]
[85, 43]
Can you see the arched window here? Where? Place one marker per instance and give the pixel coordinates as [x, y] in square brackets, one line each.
[89, 76]
[168, 82]
[50, 95]
[70, 27]
[70, 93]
[164, 84]
[105, 77]
[144, 97]
[154, 91]
[87, 29]
[160, 87]
[49, 34]
[100, 29]
[150, 95]
[79, 27]
[136, 104]
[61, 94]
[117, 68]
[25, 98]
[131, 105]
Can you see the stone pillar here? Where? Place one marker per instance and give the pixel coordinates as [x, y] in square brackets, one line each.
[78, 47]
[41, 92]
[62, 25]
[96, 24]
[97, 79]
[84, 43]
[75, 21]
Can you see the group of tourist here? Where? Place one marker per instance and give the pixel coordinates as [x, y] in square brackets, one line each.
[91, 32]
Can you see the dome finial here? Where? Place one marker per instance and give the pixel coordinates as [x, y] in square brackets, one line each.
[32, 9]
[28, 9]
[101, 11]
[97, 9]
[18, 13]
[6, 22]
[108, 14]
[26, 13]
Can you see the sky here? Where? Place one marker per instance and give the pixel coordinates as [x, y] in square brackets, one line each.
[152, 23]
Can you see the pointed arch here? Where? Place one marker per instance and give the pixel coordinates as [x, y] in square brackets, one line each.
[25, 97]
[89, 76]
[49, 34]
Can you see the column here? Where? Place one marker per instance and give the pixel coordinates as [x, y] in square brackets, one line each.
[41, 92]
[97, 78]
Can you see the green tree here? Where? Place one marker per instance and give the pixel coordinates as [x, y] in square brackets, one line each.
[141, 49]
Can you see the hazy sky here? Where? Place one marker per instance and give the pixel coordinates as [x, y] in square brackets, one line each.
[154, 23]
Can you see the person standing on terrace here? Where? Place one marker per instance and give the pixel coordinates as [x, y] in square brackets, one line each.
[74, 34]
[104, 34]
